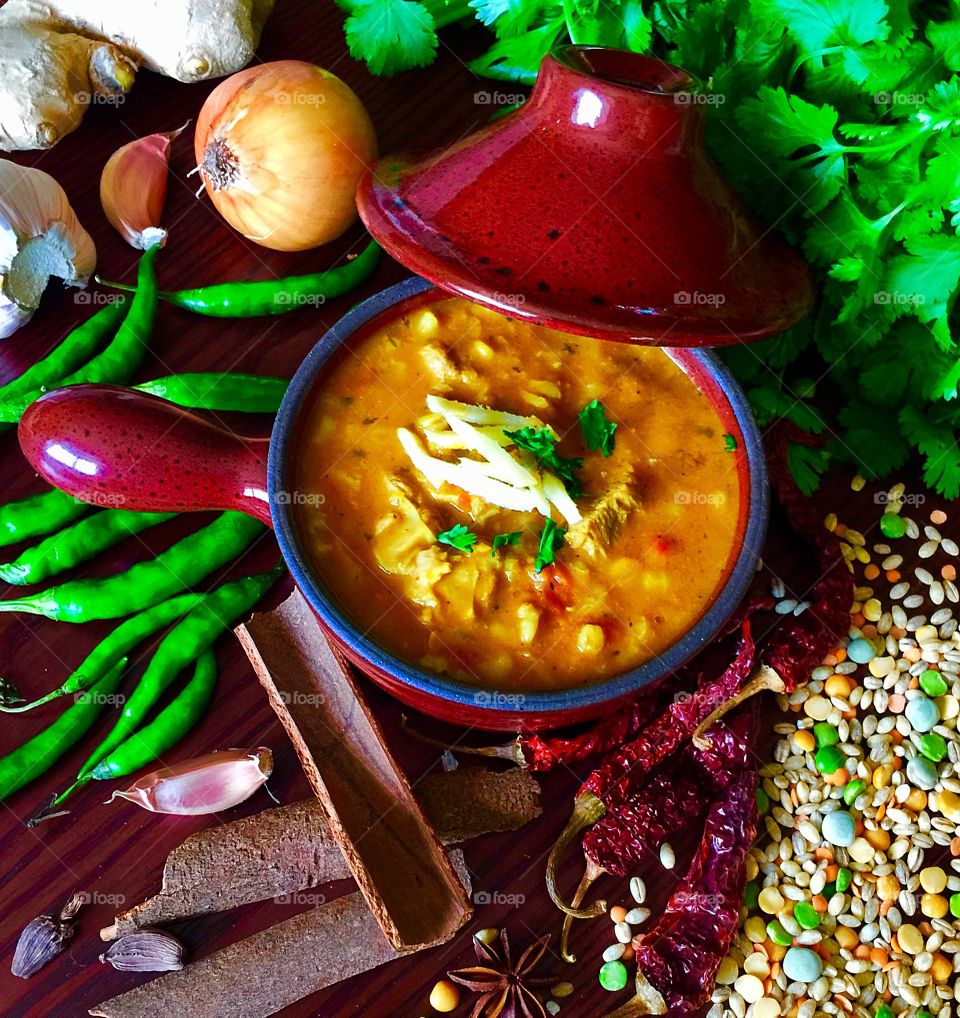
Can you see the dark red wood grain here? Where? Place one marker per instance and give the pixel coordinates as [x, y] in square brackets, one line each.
[116, 852]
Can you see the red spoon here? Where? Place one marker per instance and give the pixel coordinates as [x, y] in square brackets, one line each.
[115, 447]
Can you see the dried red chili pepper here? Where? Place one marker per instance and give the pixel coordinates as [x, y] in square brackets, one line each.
[675, 798]
[626, 772]
[677, 961]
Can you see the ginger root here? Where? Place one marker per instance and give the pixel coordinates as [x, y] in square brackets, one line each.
[58, 57]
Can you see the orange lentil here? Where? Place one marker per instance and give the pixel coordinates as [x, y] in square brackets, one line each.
[898, 632]
[857, 619]
[628, 953]
[914, 684]
[955, 847]
[938, 516]
[893, 575]
[885, 906]
[871, 572]
[869, 630]
[831, 872]
[862, 951]
[819, 902]
[949, 572]
[913, 654]
[618, 913]
[894, 943]
[840, 654]
[896, 737]
[825, 853]
[881, 812]
[830, 660]
[859, 827]
[840, 529]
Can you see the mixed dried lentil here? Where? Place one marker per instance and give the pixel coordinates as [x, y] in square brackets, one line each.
[849, 909]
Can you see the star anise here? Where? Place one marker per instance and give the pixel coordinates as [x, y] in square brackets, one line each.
[505, 988]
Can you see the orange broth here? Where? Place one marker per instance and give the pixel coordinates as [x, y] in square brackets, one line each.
[491, 619]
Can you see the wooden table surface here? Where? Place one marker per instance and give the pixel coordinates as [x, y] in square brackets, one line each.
[116, 852]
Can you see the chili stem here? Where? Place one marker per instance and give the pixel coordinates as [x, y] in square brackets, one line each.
[648, 1000]
[590, 874]
[511, 751]
[764, 678]
[587, 810]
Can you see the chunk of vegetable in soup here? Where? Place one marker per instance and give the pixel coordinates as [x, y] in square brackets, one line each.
[659, 513]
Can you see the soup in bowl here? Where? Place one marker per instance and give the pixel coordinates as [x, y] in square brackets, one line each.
[509, 525]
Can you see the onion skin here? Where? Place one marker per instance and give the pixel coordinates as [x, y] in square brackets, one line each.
[280, 148]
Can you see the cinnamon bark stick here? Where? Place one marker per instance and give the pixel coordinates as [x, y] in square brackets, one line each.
[264, 973]
[288, 849]
[393, 853]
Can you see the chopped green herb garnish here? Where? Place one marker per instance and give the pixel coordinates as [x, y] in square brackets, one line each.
[598, 430]
[542, 443]
[729, 443]
[502, 540]
[551, 538]
[458, 537]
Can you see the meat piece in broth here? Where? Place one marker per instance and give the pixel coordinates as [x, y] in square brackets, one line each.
[602, 524]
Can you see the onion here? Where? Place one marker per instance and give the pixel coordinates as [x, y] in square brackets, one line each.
[280, 148]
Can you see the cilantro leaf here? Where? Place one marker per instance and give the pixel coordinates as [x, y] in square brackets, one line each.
[807, 464]
[458, 537]
[598, 431]
[542, 444]
[937, 441]
[507, 17]
[518, 57]
[780, 125]
[924, 281]
[502, 540]
[551, 537]
[391, 35]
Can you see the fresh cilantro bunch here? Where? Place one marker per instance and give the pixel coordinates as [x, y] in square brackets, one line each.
[839, 122]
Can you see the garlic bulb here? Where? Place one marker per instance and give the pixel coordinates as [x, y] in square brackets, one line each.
[40, 237]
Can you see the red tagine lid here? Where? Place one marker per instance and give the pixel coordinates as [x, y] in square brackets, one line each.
[593, 208]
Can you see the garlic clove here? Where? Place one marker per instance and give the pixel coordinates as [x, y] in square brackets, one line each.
[40, 237]
[133, 186]
[206, 784]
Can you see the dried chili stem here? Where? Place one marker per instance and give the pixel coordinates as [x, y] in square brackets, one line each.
[512, 751]
[591, 873]
[763, 679]
[587, 810]
[647, 999]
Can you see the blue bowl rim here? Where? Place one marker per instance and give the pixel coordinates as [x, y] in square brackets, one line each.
[450, 690]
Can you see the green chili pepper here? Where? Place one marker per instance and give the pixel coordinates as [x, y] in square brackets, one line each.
[253, 298]
[154, 739]
[110, 649]
[167, 728]
[39, 754]
[183, 644]
[74, 350]
[77, 543]
[254, 394]
[119, 362]
[37, 515]
[147, 583]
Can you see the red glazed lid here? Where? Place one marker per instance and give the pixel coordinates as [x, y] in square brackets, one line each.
[593, 208]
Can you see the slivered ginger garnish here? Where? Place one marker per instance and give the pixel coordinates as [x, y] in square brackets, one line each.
[500, 472]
